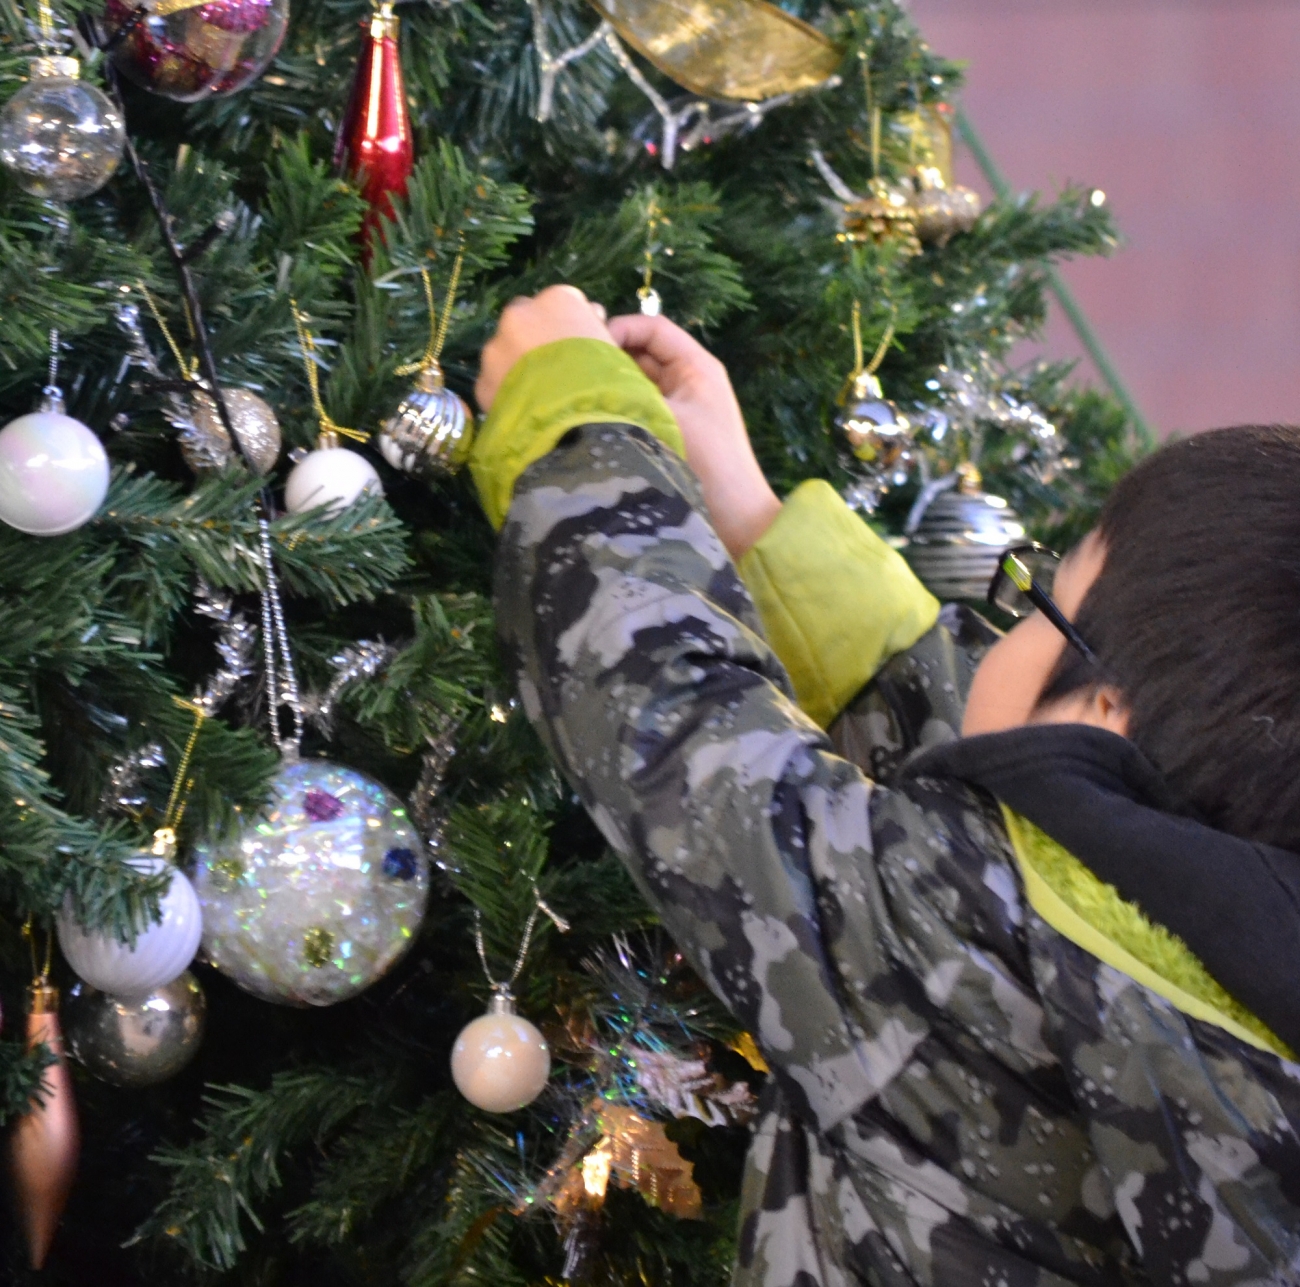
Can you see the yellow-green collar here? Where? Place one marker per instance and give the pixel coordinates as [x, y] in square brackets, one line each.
[1091, 914]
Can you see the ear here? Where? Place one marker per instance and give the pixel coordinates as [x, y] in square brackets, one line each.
[1108, 710]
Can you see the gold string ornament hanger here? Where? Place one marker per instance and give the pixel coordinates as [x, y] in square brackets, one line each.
[651, 303]
[331, 475]
[431, 432]
[204, 442]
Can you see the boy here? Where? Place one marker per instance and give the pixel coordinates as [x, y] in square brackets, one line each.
[1030, 1005]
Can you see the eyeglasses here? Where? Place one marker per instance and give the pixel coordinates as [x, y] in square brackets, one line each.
[1024, 581]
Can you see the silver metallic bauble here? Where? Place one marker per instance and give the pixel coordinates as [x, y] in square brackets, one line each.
[62, 139]
[500, 1061]
[432, 429]
[140, 1042]
[206, 445]
[876, 430]
[315, 898]
[956, 535]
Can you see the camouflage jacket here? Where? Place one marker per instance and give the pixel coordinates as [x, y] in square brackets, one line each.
[961, 1094]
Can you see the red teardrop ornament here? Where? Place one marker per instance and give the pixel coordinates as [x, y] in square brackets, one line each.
[374, 137]
[46, 1139]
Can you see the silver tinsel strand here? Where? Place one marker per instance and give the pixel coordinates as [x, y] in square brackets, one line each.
[361, 660]
[236, 646]
[425, 813]
[122, 792]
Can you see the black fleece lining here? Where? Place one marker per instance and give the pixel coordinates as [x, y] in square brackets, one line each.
[1234, 903]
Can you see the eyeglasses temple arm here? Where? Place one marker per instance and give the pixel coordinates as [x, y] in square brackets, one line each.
[1054, 615]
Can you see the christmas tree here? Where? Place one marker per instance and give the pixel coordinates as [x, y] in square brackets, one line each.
[780, 187]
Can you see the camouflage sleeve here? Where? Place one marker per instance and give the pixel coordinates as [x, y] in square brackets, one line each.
[640, 661]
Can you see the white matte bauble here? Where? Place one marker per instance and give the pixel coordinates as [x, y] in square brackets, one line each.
[53, 472]
[161, 951]
[332, 476]
[500, 1062]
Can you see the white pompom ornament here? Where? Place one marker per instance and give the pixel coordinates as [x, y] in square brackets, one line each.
[331, 475]
[500, 1062]
[161, 952]
[53, 471]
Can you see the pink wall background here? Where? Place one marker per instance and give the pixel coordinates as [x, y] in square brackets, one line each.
[1187, 114]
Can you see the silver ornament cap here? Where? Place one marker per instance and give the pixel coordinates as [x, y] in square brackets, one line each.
[431, 431]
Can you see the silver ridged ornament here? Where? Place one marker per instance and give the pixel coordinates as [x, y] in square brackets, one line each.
[206, 445]
[956, 535]
[139, 1042]
[431, 431]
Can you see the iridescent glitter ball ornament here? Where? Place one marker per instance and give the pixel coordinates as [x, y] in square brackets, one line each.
[191, 51]
[206, 445]
[318, 896]
[431, 431]
[139, 1042]
[500, 1061]
[53, 470]
[62, 139]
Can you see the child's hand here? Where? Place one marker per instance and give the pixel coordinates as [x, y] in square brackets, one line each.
[557, 313]
[699, 394]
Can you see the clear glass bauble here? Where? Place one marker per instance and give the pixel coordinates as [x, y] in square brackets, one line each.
[316, 897]
[60, 137]
[206, 445]
[53, 472]
[196, 51]
[160, 953]
[431, 431]
[500, 1061]
[330, 476]
[140, 1042]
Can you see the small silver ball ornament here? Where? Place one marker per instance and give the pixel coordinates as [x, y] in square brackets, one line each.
[140, 1042]
[61, 138]
[319, 895]
[431, 431]
[877, 432]
[206, 445]
[500, 1061]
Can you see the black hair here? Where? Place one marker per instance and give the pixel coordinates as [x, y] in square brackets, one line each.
[1195, 617]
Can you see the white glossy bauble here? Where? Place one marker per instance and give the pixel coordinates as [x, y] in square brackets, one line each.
[316, 897]
[500, 1062]
[53, 473]
[139, 1042]
[61, 138]
[332, 476]
[160, 954]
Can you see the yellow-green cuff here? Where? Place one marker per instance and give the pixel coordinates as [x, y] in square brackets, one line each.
[549, 391]
[835, 600]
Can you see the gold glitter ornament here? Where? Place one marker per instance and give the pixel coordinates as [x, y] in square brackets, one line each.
[206, 445]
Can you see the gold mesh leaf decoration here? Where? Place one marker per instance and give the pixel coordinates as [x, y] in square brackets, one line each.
[634, 1153]
[744, 50]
